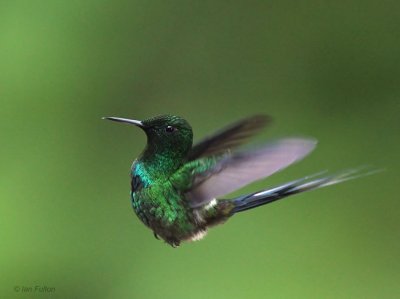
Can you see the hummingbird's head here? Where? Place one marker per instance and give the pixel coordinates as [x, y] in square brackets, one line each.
[169, 131]
[167, 135]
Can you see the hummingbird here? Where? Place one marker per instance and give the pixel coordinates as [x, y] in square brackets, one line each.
[176, 187]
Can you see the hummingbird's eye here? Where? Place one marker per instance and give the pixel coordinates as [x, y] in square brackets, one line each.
[170, 129]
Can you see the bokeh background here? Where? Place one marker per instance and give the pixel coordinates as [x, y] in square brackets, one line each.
[325, 69]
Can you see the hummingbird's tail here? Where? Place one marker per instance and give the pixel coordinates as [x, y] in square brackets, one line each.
[312, 182]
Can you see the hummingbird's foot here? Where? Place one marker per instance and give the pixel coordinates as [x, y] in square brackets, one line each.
[173, 242]
[156, 236]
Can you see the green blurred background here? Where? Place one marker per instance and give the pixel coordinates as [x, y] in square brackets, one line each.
[328, 69]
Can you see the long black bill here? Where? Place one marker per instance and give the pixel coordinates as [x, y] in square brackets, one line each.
[125, 120]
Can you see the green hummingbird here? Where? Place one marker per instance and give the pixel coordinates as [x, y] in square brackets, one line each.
[175, 184]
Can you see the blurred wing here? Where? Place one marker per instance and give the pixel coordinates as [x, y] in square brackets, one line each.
[229, 137]
[239, 169]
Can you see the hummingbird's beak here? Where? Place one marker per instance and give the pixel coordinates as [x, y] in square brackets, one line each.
[125, 120]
